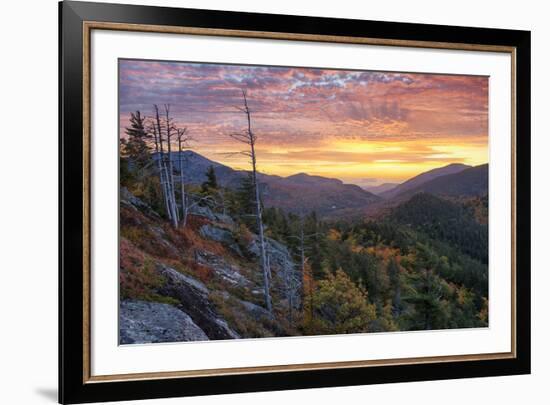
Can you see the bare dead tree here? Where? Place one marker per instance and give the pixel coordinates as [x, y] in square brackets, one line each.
[248, 137]
[165, 172]
[170, 128]
[155, 128]
[183, 140]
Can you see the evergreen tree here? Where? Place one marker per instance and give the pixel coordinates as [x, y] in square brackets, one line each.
[135, 147]
[244, 201]
[430, 312]
[211, 182]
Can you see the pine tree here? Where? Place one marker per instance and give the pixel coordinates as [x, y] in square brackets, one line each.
[427, 300]
[211, 182]
[136, 147]
[244, 197]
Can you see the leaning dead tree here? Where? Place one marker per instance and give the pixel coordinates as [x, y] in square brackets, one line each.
[154, 127]
[170, 128]
[248, 137]
[163, 131]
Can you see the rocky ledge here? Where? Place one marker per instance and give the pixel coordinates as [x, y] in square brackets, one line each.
[152, 322]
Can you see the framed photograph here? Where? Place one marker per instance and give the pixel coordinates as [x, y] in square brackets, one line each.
[255, 202]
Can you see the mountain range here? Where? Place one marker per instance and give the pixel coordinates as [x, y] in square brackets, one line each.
[333, 198]
[297, 193]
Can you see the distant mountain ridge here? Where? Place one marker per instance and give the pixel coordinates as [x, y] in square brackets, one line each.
[331, 197]
[300, 192]
[472, 182]
[416, 181]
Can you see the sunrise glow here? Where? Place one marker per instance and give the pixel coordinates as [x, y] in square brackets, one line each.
[360, 127]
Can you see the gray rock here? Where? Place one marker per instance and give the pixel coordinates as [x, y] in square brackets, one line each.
[151, 322]
[226, 271]
[279, 255]
[256, 311]
[221, 235]
[224, 219]
[127, 198]
[174, 277]
[282, 268]
[201, 211]
[193, 300]
[217, 234]
[208, 213]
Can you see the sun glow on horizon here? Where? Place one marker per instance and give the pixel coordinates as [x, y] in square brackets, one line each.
[359, 162]
[360, 127]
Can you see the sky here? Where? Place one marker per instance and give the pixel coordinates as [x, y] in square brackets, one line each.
[363, 127]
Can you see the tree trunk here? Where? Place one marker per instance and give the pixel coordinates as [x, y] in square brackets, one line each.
[263, 250]
[182, 185]
[302, 255]
[170, 170]
[158, 142]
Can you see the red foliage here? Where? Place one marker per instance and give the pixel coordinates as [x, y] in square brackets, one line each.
[204, 273]
[136, 274]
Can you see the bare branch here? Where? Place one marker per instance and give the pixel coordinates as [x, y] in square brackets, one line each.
[244, 152]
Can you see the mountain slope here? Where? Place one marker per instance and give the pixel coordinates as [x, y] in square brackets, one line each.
[197, 283]
[446, 221]
[303, 192]
[470, 182]
[423, 178]
[297, 193]
[195, 167]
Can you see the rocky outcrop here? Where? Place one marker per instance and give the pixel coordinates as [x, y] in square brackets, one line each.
[152, 322]
[127, 198]
[217, 234]
[227, 272]
[282, 268]
[255, 311]
[278, 253]
[221, 235]
[206, 212]
[193, 299]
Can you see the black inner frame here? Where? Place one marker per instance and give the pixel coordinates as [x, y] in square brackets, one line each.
[72, 388]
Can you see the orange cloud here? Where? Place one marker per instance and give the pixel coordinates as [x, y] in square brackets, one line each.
[340, 123]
